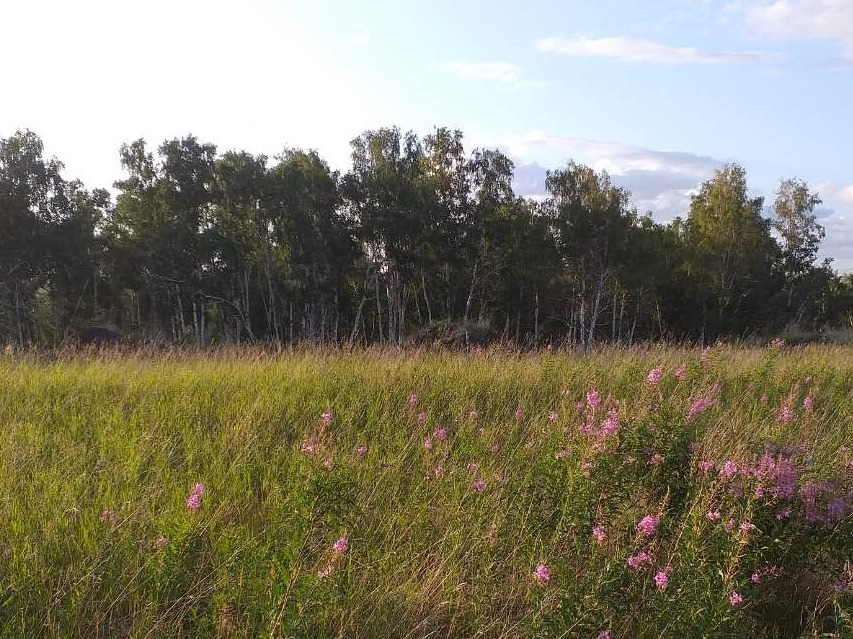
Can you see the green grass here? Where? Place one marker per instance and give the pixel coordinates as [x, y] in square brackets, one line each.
[429, 556]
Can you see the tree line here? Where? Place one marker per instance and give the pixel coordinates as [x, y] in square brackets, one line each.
[417, 241]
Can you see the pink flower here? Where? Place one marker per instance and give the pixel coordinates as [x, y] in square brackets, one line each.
[328, 464]
[518, 412]
[713, 515]
[563, 454]
[648, 525]
[728, 470]
[440, 434]
[325, 571]
[472, 466]
[361, 450]
[341, 545]
[642, 558]
[746, 526]
[553, 416]
[763, 399]
[542, 574]
[421, 418]
[593, 399]
[599, 533]
[681, 373]
[661, 580]
[756, 577]
[428, 443]
[308, 447]
[326, 418]
[706, 466]
[586, 467]
[735, 599]
[479, 485]
[161, 542]
[413, 399]
[108, 516]
[730, 525]
[496, 448]
[786, 415]
[194, 502]
[654, 376]
[808, 402]
[656, 460]
[579, 407]
[603, 635]
[198, 489]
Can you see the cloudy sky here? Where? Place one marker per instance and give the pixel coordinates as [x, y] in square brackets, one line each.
[658, 92]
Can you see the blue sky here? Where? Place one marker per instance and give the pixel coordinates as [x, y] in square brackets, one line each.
[658, 92]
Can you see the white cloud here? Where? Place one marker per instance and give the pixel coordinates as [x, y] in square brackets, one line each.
[504, 74]
[362, 38]
[846, 195]
[660, 181]
[616, 157]
[830, 20]
[635, 50]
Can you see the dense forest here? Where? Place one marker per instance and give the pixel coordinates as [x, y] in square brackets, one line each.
[417, 241]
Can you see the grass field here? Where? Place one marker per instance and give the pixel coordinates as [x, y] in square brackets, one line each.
[657, 493]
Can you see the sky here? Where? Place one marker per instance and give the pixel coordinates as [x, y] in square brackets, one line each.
[660, 93]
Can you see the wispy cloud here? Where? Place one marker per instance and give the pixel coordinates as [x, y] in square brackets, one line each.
[830, 20]
[660, 181]
[635, 50]
[504, 74]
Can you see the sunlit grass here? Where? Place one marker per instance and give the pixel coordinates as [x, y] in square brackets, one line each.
[99, 455]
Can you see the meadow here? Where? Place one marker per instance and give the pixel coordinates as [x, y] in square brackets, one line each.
[659, 492]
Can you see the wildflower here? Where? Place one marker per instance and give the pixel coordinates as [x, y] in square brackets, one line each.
[325, 571]
[413, 399]
[654, 376]
[786, 415]
[642, 558]
[428, 443]
[479, 485]
[586, 467]
[421, 418]
[763, 399]
[648, 525]
[706, 466]
[472, 415]
[161, 542]
[600, 534]
[579, 407]
[472, 466]
[496, 448]
[656, 460]
[593, 399]
[308, 447]
[518, 412]
[553, 416]
[440, 434]
[808, 402]
[728, 470]
[193, 502]
[730, 525]
[542, 574]
[341, 545]
[438, 471]
[603, 635]
[500, 479]
[735, 599]
[326, 418]
[746, 526]
[783, 513]
[841, 586]
[713, 515]
[661, 580]
[562, 454]
[361, 450]
[680, 373]
[108, 516]
[328, 464]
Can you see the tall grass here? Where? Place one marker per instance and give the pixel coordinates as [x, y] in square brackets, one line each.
[99, 455]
